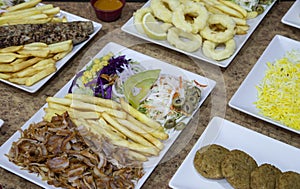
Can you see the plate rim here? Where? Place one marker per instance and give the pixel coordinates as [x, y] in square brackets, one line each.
[232, 102]
[224, 63]
[217, 121]
[285, 18]
[37, 86]
[38, 116]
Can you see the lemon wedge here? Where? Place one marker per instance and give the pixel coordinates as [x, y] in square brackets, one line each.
[152, 27]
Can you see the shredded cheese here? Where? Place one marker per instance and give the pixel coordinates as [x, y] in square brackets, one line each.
[279, 91]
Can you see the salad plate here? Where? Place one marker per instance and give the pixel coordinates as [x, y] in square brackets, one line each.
[240, 40]
[146, 61]
[261, 148]
[59, 64]
[246, 95]
[292, 16]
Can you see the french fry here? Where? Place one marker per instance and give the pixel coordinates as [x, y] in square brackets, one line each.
[35, 44]
[235, 7]
[61, 55]
[5, 76]
[240, 21]
[17, 66]
[25, 5]
[12, 18]
[6, 68]
[40, 75]
[41, 8]
[60, 47]
[103, 124]
[92, 107]
[20, 81]
[30, 71]
[6, 58]
[94, 100]
[52, 11]
[11, 49]
[229, 11]
[43, 52]
[133, 136]
[142, 132]
[252, 14]
[160, 134]
[140, 116]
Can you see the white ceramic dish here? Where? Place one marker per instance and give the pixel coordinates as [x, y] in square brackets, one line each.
[62, 62]
[1, 122]
[292, 16]
[233, 136]
[146, 61]
[240, 40]
[244, 98]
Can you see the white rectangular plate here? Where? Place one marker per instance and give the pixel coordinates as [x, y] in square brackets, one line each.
[240, 40]
[233, 136]
[244, 98]
[62, 62]
[292, 16]
[146, 61]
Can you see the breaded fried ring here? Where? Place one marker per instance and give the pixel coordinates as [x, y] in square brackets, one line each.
[163, 9]
[197, 14]
[209, 49]
[191, 43]
[219, 36]
[138, 17]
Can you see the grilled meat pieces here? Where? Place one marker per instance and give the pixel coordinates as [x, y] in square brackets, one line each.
[21, 34]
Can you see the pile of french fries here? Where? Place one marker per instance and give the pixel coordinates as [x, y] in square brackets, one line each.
[28, 64]
[30, 12]
[236, 12]
[119, 122]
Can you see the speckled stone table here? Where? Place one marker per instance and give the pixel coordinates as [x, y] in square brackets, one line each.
[17, 106]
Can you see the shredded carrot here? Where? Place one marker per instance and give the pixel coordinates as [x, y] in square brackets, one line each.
[199, 84]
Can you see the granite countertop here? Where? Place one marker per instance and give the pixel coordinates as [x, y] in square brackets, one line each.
[18, 106]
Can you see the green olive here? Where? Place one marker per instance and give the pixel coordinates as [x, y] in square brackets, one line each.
[259, 9]
[192, 99]
[178, 102]
[193, 91]
[188, 107]
[180, 126]
[170, 123]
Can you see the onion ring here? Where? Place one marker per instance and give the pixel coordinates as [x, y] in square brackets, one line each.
[195, 11]
[138, 18]
[191, 43]
[163, 9]
[209, 49]
[219, 36]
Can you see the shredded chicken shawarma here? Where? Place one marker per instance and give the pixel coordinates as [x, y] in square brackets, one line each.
[68, 156]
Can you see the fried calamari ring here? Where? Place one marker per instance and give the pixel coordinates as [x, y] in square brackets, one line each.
[195, 12]
[163, 9]
[138, 17]
[184, 41]
[219, 36]
[210, 49]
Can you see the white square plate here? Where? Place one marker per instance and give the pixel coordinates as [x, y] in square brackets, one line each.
[240, 40]
[244, 98]
[70, 17]
[292, 16]
[233, 136]
[146, 61]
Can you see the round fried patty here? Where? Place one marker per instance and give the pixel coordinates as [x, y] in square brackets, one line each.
[288, 180]
[237, 167]
[208, 161]
[264, 177]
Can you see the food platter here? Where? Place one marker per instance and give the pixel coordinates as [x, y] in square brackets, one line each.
[223, 132]
[62, 62]
[244, 98]
[240, 40]
[146, 61]
[292, 16]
